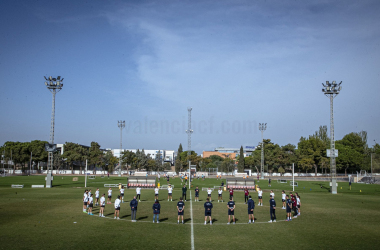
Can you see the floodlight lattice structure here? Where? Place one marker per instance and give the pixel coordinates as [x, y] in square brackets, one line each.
[189, 131]
[331, 90]
[262, 128]
[121, 125]
[54, 85]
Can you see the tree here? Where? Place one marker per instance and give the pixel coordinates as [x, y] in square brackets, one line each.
[141, 159]
[312, 153]
[249, 162]
[185, 158]
[95, 155]
[215, 158]
[38, 150]
[353, 152]
[322, 134]
[281, 170]
[158, 160]
[74, 154]
[151, 165]
[109, 161]
[289, 154]
[178, 163]
[18, 152]
[166, 166]
[58, 161]
[241, 160]
[227, 165]
[348, 158]
[129, 158]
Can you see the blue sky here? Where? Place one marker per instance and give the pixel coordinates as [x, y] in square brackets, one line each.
[236, 63]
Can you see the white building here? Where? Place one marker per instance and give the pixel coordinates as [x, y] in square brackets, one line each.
[166, 155]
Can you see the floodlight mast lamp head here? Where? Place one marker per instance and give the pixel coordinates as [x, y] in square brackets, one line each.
[121, 124]
[262, 126]
[331, 88]
[53, 84]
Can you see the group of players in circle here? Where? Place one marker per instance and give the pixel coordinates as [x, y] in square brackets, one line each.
[289, 202]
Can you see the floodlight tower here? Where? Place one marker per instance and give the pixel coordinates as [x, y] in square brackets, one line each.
[189, 131]
[54, 85]
[262, 128]
[121, 125]
[331, 90]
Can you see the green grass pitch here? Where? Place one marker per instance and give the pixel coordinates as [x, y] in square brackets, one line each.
[53, 218]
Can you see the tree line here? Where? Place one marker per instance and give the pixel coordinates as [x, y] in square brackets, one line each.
[25, 154]
[308, 156]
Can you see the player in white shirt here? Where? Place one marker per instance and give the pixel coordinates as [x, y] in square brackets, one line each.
[117, 207]
[85, 200]
[209, 193]
[122, 194]
[97, 197]
[88, 195]
[109, 196]
[170, 192]
[156, 193]
[138, 193]
[90, 204]
[220, 193]
[158, 176]
[102, 205]
[298, 204]
[271, 194]
[283, 198]
[260, 196]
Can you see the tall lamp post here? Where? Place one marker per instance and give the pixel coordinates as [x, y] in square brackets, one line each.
[331, 90]
[262, 128]
[121, 125]
[54, 85]
[189, 131]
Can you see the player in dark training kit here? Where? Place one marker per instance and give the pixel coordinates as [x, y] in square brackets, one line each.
[231, 211]
[208, 206]
[272, 205]
[180, 208]
[196, 194]
[251, 206]
[184, 190]
[288, 208]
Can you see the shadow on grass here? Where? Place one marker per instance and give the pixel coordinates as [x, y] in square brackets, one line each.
[186, 220]
[213, 220]
[163, 219]
[125, 216]
[141, 218]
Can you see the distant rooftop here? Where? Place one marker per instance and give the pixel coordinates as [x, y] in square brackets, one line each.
[235, 150]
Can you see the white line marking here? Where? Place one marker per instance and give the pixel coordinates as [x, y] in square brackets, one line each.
[192, 224]
[175, 223]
